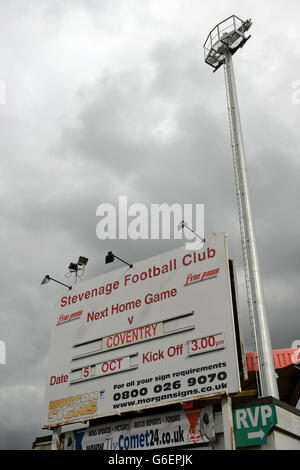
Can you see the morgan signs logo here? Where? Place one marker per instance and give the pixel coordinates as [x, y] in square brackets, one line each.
[69, 317]
[73, 406]
[200, 277]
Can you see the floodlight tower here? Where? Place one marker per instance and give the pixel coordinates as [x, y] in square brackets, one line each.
[222, 42]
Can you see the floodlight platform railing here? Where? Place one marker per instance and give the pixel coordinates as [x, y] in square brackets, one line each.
[227, 35]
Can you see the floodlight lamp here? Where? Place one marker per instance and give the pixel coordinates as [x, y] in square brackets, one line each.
[45, 280]
[226, 37]
[72, 267]
[82, 261]
[109, 257]
[181, 225]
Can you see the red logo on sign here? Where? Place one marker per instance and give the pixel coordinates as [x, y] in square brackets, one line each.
[194, 431]
[200, 277]
[69, 317]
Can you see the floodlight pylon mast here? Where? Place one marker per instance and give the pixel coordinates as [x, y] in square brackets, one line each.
[223, 41]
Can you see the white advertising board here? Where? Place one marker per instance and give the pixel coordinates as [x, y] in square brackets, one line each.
[156, 334]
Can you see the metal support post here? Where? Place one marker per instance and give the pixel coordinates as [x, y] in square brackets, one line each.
[221, 44]
[228, 431]
[55, 444]
[256, 301]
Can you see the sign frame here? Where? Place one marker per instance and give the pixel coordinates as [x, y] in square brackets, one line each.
[177, 330]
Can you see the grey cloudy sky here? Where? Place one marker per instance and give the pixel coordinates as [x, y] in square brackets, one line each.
[110, 98]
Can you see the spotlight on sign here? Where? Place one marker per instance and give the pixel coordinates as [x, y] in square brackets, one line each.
[47, 279]
[183, 225]
[82, 261]
[73, 267]
[77, 268]
[110, 257]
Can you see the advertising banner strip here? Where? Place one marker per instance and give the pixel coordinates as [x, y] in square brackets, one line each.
[171, 429]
